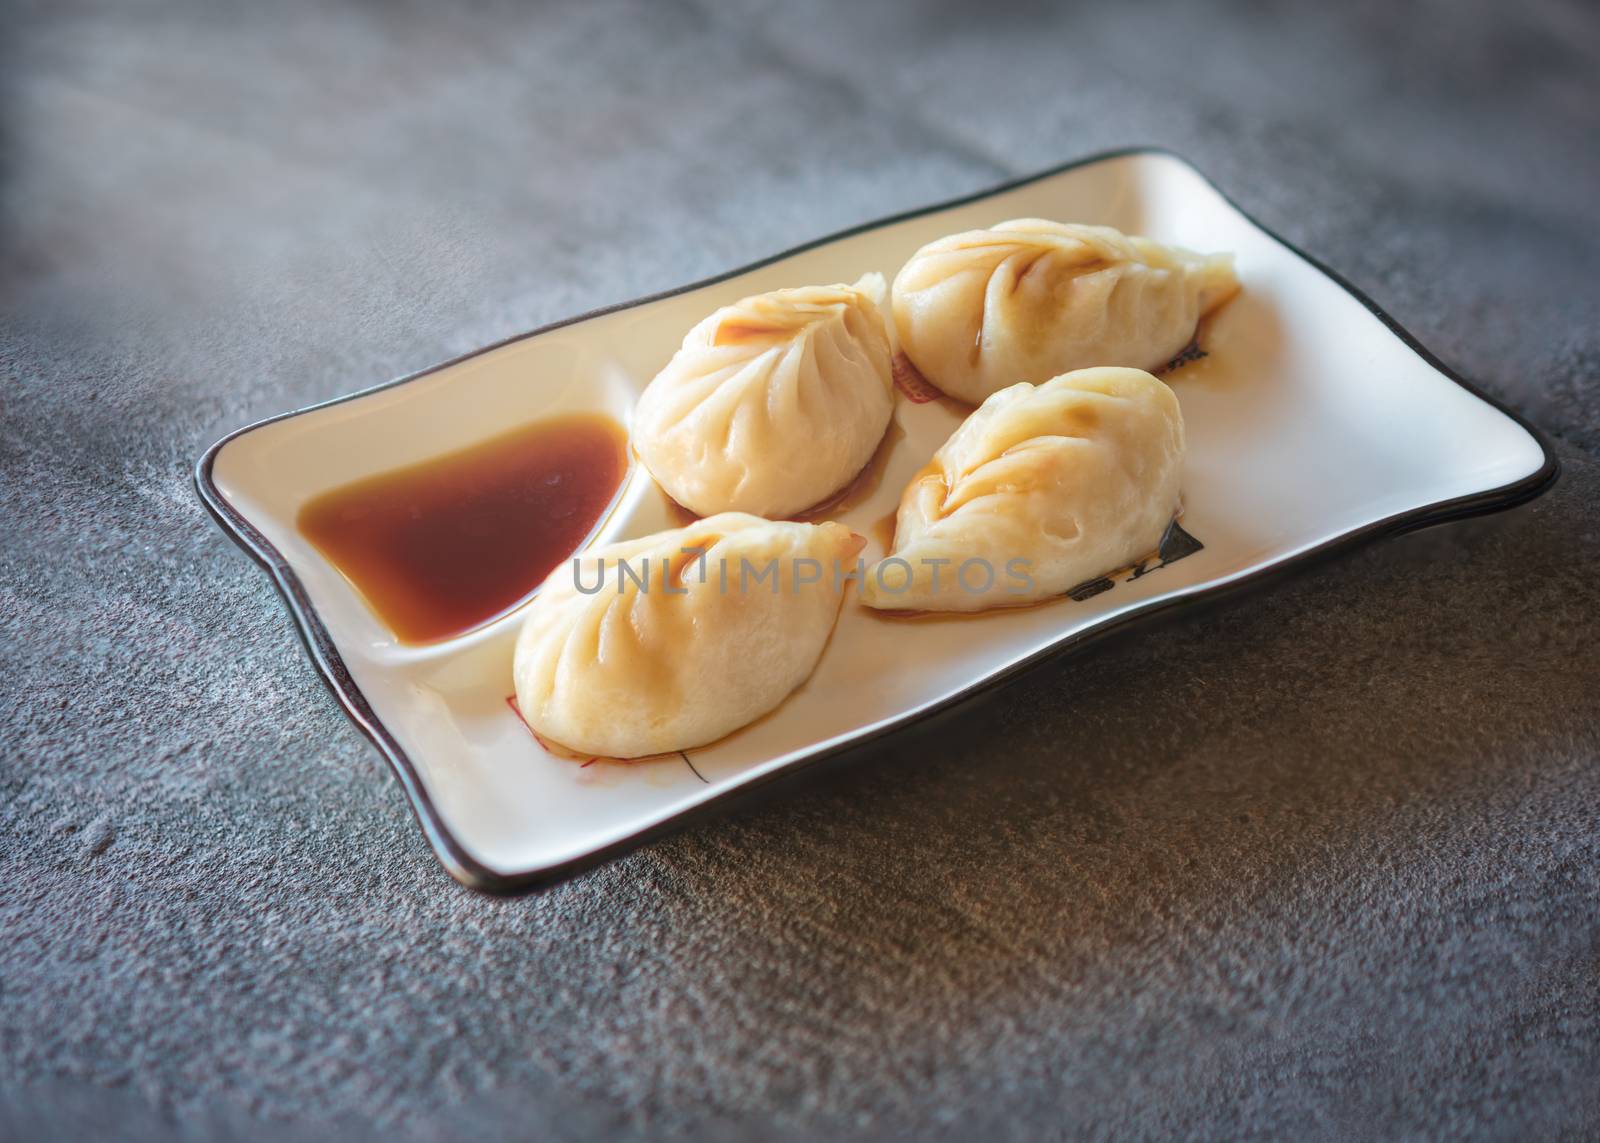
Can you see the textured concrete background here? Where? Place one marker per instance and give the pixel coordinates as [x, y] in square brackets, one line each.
[1323, 862]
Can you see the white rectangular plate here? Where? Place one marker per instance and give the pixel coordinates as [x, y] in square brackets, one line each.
[1314, 421]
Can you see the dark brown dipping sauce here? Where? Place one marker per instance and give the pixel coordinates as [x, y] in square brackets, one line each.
[439, 547]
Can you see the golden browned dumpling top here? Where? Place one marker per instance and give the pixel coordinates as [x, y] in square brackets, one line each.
[1042, 488]
[1029, 299]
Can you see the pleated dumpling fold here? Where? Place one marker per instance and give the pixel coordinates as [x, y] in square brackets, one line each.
[772, 404]
[673, 640]
[1042, 488]
[1029, 299]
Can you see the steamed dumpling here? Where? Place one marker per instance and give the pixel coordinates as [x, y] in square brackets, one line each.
[774, 403]
[642, 647]
[1029, 299]
[1042, 488]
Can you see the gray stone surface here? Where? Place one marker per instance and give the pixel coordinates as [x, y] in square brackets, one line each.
[1321, 862]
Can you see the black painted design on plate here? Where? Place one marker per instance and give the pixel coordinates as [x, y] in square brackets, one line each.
[1175, 545]
[1091, 588]
[1190, 352]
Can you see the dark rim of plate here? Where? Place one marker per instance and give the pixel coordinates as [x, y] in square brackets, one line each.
[467, 869]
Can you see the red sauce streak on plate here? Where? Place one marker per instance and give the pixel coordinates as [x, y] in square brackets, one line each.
[910, 381]
[919, 390]
[551, 747]
[440, 547]
[555, 749]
